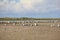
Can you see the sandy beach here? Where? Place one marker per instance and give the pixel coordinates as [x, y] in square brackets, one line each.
[29, 32]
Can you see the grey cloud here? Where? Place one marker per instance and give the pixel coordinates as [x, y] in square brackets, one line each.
[48, 5]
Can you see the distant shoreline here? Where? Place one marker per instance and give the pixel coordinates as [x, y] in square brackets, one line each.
[25, 18]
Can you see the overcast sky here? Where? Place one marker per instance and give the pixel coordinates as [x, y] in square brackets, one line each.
[30, 8]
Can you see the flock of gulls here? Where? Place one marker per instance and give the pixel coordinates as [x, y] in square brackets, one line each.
[24, 23]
